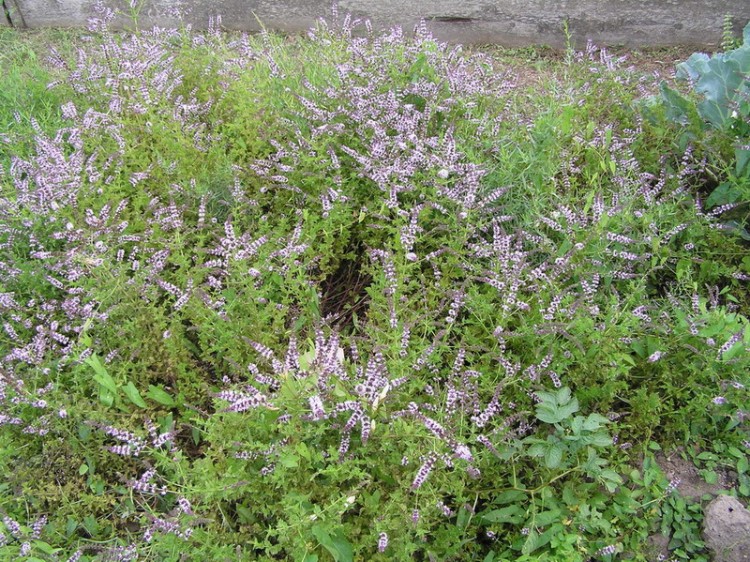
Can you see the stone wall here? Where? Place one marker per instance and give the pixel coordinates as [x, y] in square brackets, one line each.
[506, 22]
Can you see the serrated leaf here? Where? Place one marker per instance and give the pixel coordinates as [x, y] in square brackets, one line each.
[546, 397]
[594, 422]
[548, 415]
[576, 425]
[567, 410]
[289, 460]
[133, 395]
[600, 440]
[538, 450]
[160, 396]
[553, 456]
[563, 395]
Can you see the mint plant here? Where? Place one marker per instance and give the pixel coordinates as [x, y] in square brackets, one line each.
[356, 295]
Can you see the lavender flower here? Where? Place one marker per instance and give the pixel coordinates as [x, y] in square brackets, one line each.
[382, 542]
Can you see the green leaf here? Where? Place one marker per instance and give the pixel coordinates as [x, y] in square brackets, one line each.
[101, 375]
[509, 496]
[160, 396]
[710, 476]
[576, 426]
[71, 525]
[510, 514]
[548, 517]
[594, 422]
[336, 545]
[553, 456]
[568, 409]
[726, 193]
[549, 398]
[289, 460]
[742, 156]
[538, 450]
[678, 108]
[133, 395]
[611, 479]
[532, 542]
[548, 415]
[106, 397]
[344, 548]
[600, 440]
[46, 548]
[563, 395]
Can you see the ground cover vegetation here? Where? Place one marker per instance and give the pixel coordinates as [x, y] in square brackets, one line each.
[364, 296]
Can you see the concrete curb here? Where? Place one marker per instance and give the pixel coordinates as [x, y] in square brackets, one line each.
[12, 15]
[506, 22]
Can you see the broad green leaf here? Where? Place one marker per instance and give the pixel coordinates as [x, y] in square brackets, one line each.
[46, 548]
[742, 157]
[538, 450]
[576, 425]
[594, 422]
[563, 395]
[510, 514]
[692, 68]
[600, 440]
[336, 545]
[546, 397]
[546, 518]
[289, 460]
[567, 410]
[532, 542]
[727, 192]
[160, 396]
[323, 538]
[548, 415]
[344, 548]
[133, 395]
[678, 108]
[553, 456]
[509, 496]
[106, 397]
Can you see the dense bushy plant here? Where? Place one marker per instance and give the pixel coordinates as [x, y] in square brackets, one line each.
[330, 301]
